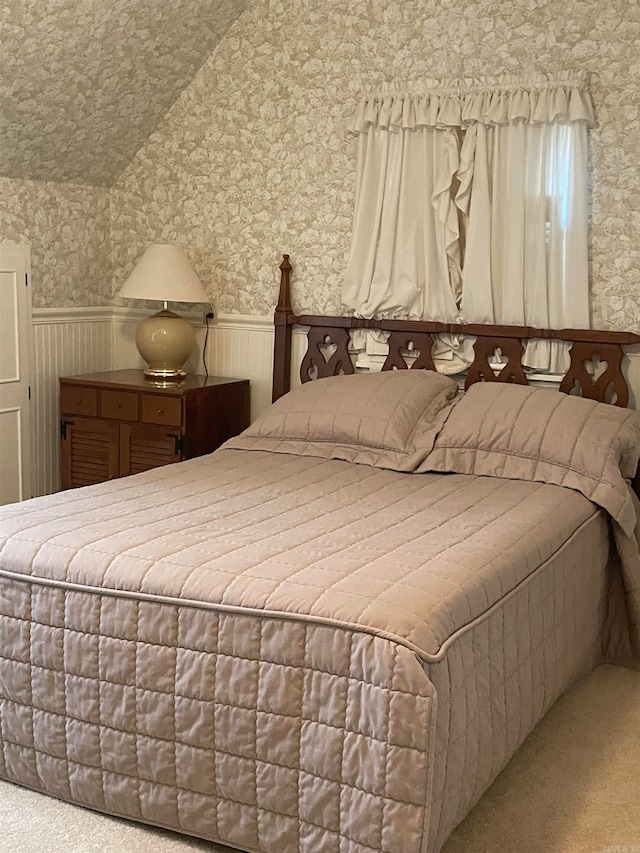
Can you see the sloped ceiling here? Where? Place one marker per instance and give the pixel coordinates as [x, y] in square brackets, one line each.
[83, 83]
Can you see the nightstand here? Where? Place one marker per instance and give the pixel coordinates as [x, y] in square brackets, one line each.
[118, 423]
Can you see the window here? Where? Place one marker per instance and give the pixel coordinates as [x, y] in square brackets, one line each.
[471, 205]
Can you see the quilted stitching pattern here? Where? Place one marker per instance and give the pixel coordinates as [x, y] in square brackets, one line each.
[379, 410]
[504, 430]
[304, 733]
[339, 542]
[387, 419]
[268, 734]
[499, 679]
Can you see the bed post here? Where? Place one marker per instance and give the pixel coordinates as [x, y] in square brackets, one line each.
[282, 344]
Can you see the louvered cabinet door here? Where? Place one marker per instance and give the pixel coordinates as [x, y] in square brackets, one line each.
[143, 447]
[89, 451]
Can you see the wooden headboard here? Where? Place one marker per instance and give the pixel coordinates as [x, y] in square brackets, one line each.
[587, 346]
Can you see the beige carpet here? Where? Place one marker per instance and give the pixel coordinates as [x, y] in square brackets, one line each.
[574, 787]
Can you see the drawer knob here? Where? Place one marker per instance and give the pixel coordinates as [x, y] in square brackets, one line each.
[160, 411]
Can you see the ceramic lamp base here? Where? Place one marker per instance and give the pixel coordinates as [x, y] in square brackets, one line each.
[165, 341]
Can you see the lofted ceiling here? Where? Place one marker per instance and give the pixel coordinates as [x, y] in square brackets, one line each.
[83, 83]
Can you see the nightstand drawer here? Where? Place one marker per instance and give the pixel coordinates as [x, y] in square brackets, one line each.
[166, 411]
[119, 405]
[75, 400]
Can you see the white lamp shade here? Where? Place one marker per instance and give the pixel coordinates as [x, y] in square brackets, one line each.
[164, 274]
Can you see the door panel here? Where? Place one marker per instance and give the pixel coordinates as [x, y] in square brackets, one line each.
[9, 351]
[143, 447]
[89, 452]
[11, 486]
[15, 319]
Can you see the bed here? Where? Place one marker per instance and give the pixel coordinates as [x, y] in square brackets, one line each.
[332, 633]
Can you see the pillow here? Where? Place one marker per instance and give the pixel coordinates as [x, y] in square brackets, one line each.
[387, 419]
[523, 433]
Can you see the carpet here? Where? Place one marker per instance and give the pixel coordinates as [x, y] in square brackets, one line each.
[573, 787]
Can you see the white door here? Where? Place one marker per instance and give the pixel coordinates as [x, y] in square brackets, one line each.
[15, 325]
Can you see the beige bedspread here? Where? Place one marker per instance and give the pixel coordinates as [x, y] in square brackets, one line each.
[280, 652]
[414, 558]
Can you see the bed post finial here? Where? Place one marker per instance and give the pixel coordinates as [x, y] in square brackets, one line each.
[284, 296]
[282, 345]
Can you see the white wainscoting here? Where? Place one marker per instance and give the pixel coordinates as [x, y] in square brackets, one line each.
[242, 347]
[66, 342]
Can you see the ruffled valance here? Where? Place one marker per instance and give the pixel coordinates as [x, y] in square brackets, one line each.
[563, 99]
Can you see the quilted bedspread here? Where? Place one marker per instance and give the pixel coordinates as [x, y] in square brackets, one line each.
[265, 650]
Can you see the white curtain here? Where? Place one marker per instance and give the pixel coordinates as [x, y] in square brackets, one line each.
[405, 245]
[471, 204]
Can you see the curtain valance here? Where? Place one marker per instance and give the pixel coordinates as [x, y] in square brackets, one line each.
[563, 99]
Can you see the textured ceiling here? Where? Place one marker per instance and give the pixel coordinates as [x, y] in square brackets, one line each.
[83, 83]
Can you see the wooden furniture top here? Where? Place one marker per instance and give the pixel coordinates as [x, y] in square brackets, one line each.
[135, 380]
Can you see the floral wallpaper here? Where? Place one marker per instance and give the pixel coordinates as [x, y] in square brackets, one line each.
[83, 84]
[254, 159]
[67, 226]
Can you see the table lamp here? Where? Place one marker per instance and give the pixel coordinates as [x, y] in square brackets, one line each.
[164, 340]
